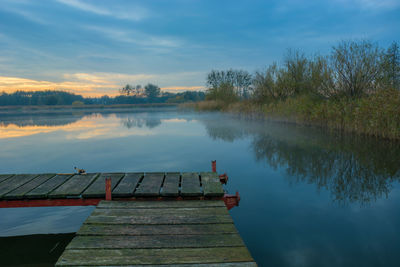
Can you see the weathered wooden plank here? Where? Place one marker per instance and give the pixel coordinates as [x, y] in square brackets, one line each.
[15, 182]
[229, 264]
[134, 230]
[74, 186]
[29, 186]
[171, 185]
[212, 186]
[190, 184]
[160, 204]
[150, 185]
[160, 219]
[74, 257]
[4, 177]
[98, 187]
[44, 189]
[127, 185]
[156, 241]
[161, 212]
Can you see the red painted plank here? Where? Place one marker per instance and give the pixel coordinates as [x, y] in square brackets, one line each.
[49, 202]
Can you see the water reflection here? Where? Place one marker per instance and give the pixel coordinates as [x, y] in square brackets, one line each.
[90, 124]
[283, 218]
[132, 122]
[353, 168]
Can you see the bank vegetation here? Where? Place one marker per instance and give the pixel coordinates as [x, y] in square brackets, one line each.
[355, 88]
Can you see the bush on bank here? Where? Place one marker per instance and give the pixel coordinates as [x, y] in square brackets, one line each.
[356, 88]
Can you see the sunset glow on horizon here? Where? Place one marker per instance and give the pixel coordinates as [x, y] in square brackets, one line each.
[95, 47]
[87, 87]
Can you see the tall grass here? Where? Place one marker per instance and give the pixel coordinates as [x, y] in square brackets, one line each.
[376, 115]
[355, 89]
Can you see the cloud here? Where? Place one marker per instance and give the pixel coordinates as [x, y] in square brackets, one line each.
[99, 84]
[169, 81]
[135, 37]
[26, 14]
[108, 78]
[374, 5]
[129, 12]
[12, 84]
[23, 9]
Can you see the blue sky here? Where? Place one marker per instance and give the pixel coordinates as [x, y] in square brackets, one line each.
[94, 47]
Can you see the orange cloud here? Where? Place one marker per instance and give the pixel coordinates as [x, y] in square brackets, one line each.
[89, 85]
[88, 88]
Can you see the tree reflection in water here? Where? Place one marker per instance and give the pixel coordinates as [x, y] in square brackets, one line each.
[138, 122]
[353, 168]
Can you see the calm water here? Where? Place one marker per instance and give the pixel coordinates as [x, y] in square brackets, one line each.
[309, 197]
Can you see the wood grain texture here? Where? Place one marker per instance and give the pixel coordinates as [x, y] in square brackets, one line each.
[98, 188]
[162, 233]
[190, 184]
[43, 190]
[15, 182]
[171, 185]
[127, 185]
[150, 185]
[156, 241]
[20, 192]
[112, 257]
[159, 219]
[4, 177]
[134, 230]
[212, 186]
[161, 212]
[161, 204]
[229, 264]
[74, 186]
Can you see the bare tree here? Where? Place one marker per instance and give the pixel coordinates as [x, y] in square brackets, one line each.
[127, 90]
[356, 68]
[391, 67]
[239, 79]
[269, 85]
[298, 71]
[321, 82]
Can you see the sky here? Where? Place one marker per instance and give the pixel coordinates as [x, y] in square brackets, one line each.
[95, 47]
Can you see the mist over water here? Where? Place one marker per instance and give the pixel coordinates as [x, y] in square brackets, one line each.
[309, 197]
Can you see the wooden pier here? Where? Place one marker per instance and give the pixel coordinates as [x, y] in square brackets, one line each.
[154, 219]
[187, 233]
[73, 189]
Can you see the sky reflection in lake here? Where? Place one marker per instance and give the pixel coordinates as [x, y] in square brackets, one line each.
[309, 197]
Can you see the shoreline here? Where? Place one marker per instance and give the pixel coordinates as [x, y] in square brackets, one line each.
[66, 108]
[257, 111]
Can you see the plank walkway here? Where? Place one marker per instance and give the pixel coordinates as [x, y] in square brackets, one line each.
[124, 185]
[159, 233]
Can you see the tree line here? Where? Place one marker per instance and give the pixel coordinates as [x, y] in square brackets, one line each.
[150, 91]
[354, 88]
[352, 70]
[48, 97]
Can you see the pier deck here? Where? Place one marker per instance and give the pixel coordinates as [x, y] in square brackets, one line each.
[23, 187]
[174, 233]
[190, 227]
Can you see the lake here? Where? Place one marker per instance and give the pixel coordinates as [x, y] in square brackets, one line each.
[309, 197]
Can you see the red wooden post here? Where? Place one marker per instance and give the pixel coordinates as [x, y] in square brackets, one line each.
[214, 165]
[231, 200]
[223, 178]
[108, 188]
